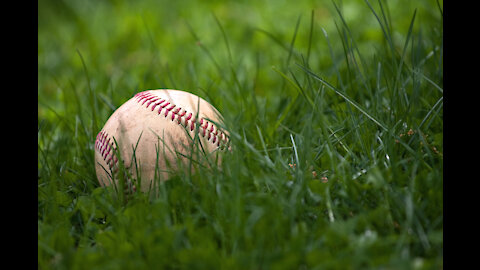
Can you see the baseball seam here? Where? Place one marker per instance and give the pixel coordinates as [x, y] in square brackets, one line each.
[206, 129]
[106, 149]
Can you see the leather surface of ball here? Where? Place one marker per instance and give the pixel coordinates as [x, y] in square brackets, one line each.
[154, 130]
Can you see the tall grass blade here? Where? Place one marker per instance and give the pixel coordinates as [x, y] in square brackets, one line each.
[349, 100]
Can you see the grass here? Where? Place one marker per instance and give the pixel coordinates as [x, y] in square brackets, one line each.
[335, 115]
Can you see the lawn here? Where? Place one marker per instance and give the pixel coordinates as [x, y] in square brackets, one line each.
[335, 116]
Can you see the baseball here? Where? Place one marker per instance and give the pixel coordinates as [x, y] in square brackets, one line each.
[156, 132]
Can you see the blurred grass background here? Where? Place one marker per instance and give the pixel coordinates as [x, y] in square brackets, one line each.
[335, 108]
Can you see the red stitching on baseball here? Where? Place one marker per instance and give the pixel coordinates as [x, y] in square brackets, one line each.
[157, 103]
[145, 96]
[153, 100]
[163, 106]
[106, 150]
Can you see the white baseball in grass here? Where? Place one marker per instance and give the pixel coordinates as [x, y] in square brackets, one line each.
[154, 130]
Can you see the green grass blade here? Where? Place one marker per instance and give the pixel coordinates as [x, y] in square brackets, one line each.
[349, 100]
